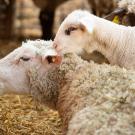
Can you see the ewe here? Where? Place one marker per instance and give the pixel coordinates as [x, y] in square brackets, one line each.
[82, 31]
[92, 99]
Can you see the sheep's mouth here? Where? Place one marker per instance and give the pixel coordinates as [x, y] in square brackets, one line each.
[54, 59]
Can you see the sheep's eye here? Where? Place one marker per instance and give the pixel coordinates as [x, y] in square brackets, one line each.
[69, 30]
[24, 58]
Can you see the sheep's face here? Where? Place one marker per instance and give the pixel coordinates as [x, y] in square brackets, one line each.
[14, 68]
[75, 33]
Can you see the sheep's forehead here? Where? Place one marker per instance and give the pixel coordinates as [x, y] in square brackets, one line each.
[40, 46]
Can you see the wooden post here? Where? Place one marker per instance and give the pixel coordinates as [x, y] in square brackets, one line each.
[6, 18]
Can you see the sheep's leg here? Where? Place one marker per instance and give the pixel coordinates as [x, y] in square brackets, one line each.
[46, 20]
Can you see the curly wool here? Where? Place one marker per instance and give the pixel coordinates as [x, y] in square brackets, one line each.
[109, 90]
[96, 121]
[129, 5]
[91, 98]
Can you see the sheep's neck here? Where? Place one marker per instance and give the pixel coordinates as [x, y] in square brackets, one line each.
[66, 101]
[110, 40]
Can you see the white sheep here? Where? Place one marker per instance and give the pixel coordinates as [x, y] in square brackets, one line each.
[90, 98]
[82, 31]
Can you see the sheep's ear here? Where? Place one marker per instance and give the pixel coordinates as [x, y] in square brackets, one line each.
[88, 24]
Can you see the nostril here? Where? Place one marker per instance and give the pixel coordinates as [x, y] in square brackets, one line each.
[57, 47]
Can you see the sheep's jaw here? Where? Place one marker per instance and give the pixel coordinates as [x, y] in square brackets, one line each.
[44, 87]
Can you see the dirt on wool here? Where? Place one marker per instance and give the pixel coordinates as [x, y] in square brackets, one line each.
[20, 115]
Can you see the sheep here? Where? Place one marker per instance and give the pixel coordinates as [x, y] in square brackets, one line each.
[129, 5]
[124, 14]
[83, 32]
[102, 7]
[98, 7]
[90, 98]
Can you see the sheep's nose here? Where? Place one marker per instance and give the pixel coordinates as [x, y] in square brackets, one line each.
[57, 47]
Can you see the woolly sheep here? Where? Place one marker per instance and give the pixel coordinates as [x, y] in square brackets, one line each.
[82, 31]
[102, 7]
[91, 98]
[124, 14]
[129, 5]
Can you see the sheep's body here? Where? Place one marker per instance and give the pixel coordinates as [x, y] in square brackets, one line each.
[115, 42]
[91, 99]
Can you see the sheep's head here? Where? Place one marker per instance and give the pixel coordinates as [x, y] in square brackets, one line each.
[14, 68]
[75, 33]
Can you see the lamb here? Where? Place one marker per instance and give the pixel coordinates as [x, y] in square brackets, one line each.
[82, 31]
[90, 98]
[124, 14]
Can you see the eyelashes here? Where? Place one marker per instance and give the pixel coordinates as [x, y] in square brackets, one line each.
[25, 58]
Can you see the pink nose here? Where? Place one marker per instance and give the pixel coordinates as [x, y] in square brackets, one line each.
[57, 47]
